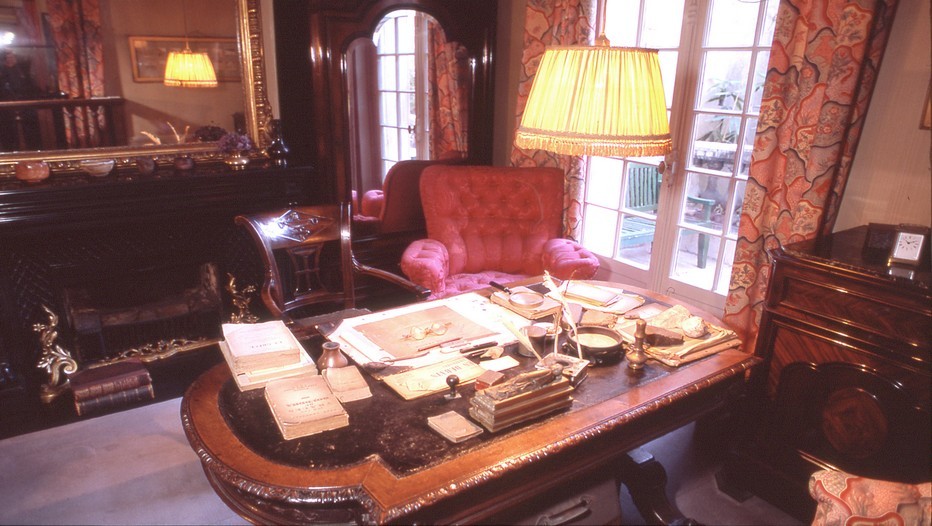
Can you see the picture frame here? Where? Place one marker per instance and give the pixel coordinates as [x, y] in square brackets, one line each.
[148, 56]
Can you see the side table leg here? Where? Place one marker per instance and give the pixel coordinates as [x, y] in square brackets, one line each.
[646, 481]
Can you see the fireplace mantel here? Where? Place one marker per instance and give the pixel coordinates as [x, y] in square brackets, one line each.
[75, 230]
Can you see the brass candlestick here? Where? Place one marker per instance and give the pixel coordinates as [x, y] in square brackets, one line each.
[636, 355]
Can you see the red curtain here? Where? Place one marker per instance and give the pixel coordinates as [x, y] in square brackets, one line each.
[554, 22]
[822, 71]
[79, 48]
[448, 72]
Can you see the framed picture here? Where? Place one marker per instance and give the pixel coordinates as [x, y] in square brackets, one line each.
[149, 54]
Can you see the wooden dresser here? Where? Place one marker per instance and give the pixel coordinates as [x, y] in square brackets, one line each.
[846, 379]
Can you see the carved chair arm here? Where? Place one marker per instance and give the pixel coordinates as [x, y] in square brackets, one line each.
[421, 293]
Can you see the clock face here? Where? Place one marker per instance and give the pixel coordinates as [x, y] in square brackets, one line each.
[908, 246]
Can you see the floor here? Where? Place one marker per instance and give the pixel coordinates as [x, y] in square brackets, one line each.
[136, 467]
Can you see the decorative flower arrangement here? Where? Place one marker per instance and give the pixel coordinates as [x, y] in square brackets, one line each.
[234, 143]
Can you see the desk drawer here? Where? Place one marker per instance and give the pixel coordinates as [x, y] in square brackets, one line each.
[583, 501]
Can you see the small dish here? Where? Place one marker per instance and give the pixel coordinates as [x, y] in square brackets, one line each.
[97, 167]
[32, 172]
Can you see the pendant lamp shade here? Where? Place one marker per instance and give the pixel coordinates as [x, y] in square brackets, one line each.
[187, 69]
[597, 100]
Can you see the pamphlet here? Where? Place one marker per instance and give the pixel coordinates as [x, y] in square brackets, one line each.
[303, 405]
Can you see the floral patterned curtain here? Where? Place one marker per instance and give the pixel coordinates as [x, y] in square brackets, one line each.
[554, 22]
[448, 70]
[79, 47]
[823, 66]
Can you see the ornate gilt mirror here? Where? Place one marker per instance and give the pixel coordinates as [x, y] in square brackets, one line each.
[136, 36]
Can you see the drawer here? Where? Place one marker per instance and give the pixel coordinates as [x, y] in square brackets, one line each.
[583, 501]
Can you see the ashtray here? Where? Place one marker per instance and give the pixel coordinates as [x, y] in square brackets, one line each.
[599, 344]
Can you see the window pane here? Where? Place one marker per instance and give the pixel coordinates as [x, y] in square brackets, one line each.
[408, 115]
[750, 129]
[405, 72]
[757, 83]
[695, 258]
[733, 23]
[715, 139]
[386, 166]
[388, 110]
[706, 196]
[724, 275]
[770, 19]
[390, 143]
[406, 32]
[637, 238]
[643, 190]
[598, 225]
[385, 37]
[724, 80]
[668, 72]
[621, 22]
[658, 31]
[408, 144]
[740, 187]
[387, 71]
[603, 186]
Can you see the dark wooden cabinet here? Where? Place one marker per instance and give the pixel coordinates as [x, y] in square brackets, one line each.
[846, 379]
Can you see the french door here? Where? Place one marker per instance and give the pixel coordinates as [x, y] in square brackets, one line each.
[670, 223]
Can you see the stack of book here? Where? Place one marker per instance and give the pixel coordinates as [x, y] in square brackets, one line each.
[260, 352]
[304, 405]
[522, 398]
[111, 385]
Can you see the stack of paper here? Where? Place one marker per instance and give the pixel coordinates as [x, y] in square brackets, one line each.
[303, 405]
[548, 307]
[258, 353]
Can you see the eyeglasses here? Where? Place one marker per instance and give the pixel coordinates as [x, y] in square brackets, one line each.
[420, 332]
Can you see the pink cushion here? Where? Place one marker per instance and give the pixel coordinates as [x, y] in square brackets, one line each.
[844, 499]
[372, 202]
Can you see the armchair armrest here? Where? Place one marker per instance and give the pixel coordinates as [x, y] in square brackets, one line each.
[427, 263]
[567, 259]
[421, 293]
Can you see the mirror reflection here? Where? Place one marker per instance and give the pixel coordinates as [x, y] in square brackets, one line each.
[408, 97]
[79, 74]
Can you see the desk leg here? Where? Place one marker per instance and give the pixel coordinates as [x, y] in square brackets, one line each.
[646, 481]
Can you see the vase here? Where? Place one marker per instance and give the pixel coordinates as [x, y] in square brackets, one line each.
[331, 357]
[236, 160]
[32, 171]
[277, 151]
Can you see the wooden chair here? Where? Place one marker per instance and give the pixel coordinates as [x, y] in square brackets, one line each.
[309, 265]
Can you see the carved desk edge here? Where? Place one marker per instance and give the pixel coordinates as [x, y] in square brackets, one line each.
[327, 493]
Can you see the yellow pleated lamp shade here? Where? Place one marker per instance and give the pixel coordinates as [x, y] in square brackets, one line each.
[187, 69]
[597, 100]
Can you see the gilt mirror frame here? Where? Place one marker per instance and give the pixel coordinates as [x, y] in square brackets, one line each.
[256, 108]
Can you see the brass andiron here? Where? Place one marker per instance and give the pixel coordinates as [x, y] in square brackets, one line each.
[241, 300]
[636, 355]
[54, 359]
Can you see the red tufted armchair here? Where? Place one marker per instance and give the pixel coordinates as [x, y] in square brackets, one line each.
[489, 223]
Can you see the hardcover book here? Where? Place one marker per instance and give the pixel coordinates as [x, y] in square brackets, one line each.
[453, 426]
[114, 399]
[347, 383]
[256, 346]
[303, 405]
[249, 380]
[549, 307]
[110, 378]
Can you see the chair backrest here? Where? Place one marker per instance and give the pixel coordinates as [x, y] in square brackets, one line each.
[643, 189]
[401, 208]
[493, 218]
[291, 243]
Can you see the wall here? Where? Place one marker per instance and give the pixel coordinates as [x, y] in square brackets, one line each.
[510, 44]
[891, 177]
[150, 105]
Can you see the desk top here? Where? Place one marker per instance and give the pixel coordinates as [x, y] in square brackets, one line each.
[389, 463]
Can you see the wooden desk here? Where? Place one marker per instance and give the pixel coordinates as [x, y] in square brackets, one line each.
[388, 466]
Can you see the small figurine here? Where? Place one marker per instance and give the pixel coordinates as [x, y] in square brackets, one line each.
[241, 300]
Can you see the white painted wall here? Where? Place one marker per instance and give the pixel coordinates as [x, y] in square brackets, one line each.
[891, 177]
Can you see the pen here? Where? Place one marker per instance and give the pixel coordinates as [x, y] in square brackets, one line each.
[478, 347]
[438, 344]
